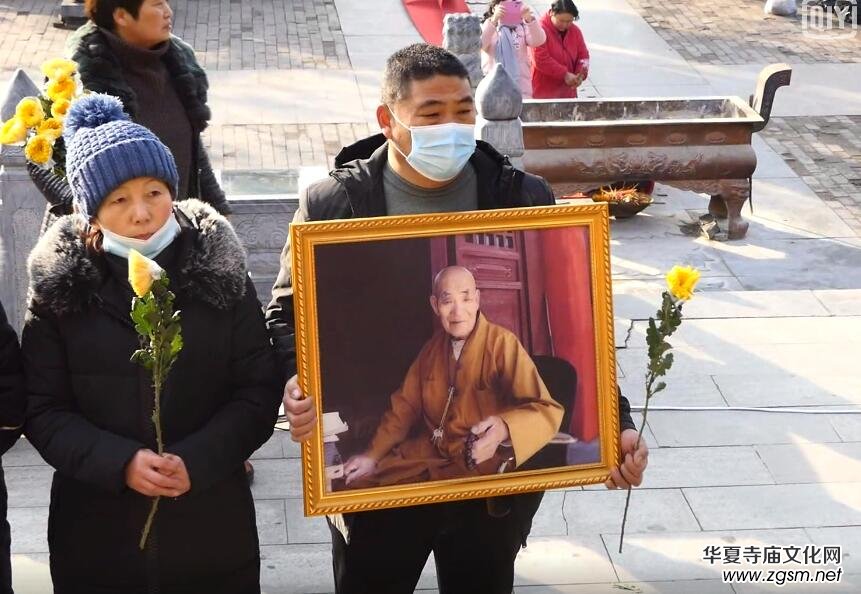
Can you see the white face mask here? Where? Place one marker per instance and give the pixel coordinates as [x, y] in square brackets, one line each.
[439, 152]
[120, 245]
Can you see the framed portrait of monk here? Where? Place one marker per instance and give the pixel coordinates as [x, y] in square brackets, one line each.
[455, 356]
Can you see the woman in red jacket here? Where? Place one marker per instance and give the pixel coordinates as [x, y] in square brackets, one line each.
[562, 63]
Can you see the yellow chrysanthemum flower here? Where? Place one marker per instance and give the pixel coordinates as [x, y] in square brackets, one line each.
[142, 273]
[13, 131]
[59, 68]
[681, 281]
[52, 129]
[39, 150]
[61, 88]
[30, 112]
[60, 108]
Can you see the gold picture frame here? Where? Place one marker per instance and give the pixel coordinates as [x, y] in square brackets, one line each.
[312, 240]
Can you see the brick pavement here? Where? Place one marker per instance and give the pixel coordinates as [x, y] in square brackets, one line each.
[738, 32]
[826, 153]
[280, 146]
[227, 34]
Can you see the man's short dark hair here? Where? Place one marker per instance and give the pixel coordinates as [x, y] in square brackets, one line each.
[101, 12]
[419, 61]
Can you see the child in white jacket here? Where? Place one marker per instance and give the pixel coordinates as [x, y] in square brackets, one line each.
[501, 42]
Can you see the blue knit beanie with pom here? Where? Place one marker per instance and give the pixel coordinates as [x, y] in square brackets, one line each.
[104, 149]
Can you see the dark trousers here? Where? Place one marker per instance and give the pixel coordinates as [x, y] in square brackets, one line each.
[5, 541]
[474, 551]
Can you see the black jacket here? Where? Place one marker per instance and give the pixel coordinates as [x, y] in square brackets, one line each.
[89, 407]
[355, 189]
[101, 72]
[11, 385]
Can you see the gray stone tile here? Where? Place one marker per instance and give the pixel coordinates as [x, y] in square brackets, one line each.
[640, 299]
[637, 258]
[678, 587]
[776, 506]
[705, 467]
[802, 264]
[841, 302]
[303, 530]
[277, 479]
[695, 428]
[770, 359]
[272, 449]
[29, 529]
[31, 574]
[846, 537]
[840, 331]
[695, 390]
[651, 510]
[848, 427]
[813, 462]
[550, 519]
[295, 569]
[271, 523]
[578, 559]
[22, 454]
[29, 486]
[679, 556]
[784, 389]
[788, 207]
[768, 163]
[291, 448]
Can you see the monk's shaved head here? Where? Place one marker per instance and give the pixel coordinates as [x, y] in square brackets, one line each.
[455, 300]
[442, 277]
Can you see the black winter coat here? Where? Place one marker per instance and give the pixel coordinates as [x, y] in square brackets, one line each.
[89, 408]
[11, 385]
[101, 72]
[355, 189]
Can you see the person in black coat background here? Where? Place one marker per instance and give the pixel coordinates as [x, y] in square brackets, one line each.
[89, 406]
[11, 421]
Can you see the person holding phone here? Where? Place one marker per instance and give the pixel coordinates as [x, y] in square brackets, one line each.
[562, 63]
[508, 30]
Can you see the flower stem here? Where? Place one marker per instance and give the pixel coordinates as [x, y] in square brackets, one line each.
[149, 519]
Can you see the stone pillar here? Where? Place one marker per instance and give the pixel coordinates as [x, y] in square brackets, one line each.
[461, 35]
[499, 104]
[21, 209]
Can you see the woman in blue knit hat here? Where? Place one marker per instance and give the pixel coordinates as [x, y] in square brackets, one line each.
[89, 406]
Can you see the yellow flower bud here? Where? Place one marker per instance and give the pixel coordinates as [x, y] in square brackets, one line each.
[39, 150]
[61, 88]
[58, 68]
[13, 131]
[142, 273]
[681, 281]
[51, 129]
[60, 108]
[30, 112]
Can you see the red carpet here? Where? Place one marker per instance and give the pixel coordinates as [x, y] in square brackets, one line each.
[427, 16]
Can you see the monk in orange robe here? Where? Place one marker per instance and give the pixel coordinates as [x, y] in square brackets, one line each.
[471, 377]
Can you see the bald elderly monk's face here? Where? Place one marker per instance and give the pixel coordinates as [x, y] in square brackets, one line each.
[456, 303]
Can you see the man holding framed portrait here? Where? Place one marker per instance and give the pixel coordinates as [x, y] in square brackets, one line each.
[426, 160]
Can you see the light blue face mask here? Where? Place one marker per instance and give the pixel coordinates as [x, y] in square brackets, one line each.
[120, 245]
[439, 152]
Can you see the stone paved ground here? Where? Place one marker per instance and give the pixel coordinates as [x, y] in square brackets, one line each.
[227, 34]
[738, 32]
[286, 146]
[826, 153]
